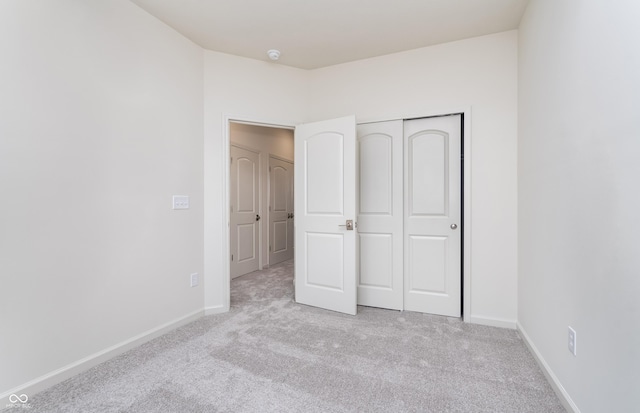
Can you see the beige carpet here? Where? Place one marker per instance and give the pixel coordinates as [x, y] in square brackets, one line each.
[269, 354]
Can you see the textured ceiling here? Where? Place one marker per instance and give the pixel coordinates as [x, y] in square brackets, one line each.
[317, 33]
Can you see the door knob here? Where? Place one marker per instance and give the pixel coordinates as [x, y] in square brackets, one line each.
[348, 224]
[257, 217]
[454, 226]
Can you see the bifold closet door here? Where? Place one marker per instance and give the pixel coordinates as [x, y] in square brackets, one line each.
[380, 214]
[432, 219]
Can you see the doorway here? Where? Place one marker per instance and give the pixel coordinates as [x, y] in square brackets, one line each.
[260, 196]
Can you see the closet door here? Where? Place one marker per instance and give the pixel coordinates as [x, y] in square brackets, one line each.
[380, 214]
[432, 225]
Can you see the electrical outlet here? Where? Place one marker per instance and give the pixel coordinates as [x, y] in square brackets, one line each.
[194, 279]
[572, 340]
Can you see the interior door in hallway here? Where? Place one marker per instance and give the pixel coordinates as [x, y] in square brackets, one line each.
[432, 222]
[380, 215]
[280, 210]
[325, 204]
[245, 211]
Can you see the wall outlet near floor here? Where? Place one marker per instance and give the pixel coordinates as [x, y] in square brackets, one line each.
[572, 340]
[194, 279]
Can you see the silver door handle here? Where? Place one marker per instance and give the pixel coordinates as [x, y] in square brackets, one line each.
[348, 224]
[453, 226]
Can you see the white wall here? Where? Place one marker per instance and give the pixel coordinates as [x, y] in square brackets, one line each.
[579, 141]
[268, 141]
[102, 122]
[245, 89]
[480, 73]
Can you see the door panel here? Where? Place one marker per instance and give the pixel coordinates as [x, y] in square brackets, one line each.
[324, 176]
[244, 187]
[428, 173]
[376, 171]
[380, 215]
[376, 269]
[432, 215]
[323, 272]
[280, 211]
[428, 264]
[246, 242]
[246, 183]
[279, 238]
[325, 251]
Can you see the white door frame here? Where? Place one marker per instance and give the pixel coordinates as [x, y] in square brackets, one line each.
[226, 191]
[467, 177]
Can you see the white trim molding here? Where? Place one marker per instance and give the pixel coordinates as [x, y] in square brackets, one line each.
[218, 309]
[553, 380]
[491, 321]
[57, 376]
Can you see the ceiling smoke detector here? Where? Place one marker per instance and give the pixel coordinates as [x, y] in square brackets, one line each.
[273, 54]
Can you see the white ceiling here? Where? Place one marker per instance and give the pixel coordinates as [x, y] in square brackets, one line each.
[317, 33]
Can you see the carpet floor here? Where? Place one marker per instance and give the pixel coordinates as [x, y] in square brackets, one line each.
[269, 354]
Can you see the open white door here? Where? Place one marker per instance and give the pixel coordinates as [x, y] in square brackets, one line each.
[325, 202]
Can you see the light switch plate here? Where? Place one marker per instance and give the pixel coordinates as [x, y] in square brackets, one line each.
[194, 279]
[180, 202]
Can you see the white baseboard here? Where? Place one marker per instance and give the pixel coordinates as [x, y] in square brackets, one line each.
[57, 376]
[492, 322]
[562, 394]
[218, 309]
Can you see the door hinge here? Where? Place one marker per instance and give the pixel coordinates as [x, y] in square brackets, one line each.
[231, 161]
[269, 247]
[269, 208]
[231, 257]
[231, 208]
